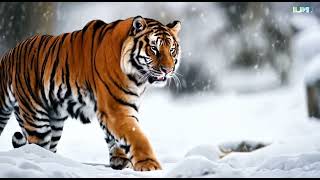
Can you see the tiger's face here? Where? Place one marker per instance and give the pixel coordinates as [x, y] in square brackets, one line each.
[152, 51]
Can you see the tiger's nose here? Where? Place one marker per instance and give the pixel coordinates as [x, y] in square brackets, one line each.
[166, 70]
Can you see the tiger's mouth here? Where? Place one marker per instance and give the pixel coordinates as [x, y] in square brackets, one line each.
[153, 79]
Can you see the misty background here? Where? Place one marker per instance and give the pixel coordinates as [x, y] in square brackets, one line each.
[226, 46]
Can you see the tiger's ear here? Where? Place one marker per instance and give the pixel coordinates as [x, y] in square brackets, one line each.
[175, 27]
[138, 25]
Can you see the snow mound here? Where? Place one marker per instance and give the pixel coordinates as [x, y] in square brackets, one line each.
[304, 161]
[303, 165]
[34, 161]
[210, 152]
[199, 166]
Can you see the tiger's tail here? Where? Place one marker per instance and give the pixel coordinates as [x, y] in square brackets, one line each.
[18, 140]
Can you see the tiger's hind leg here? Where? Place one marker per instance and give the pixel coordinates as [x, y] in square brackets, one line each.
[7, 102]
[36, 128]
[56, 128]
[4, 117]
[117, 153]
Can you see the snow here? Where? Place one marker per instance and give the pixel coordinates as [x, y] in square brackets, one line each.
[33, 161]
[312, 71]
[188, 138]
[211, 152]
[198, 166]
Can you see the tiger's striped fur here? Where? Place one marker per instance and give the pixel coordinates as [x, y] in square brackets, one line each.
[99, 71]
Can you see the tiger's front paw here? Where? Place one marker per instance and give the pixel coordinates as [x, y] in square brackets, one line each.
[119, 163]
[147, 165]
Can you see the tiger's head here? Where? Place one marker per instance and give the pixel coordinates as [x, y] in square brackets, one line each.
[151, 53]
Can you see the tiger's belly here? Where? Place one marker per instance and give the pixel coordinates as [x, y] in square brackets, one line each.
[79, 105]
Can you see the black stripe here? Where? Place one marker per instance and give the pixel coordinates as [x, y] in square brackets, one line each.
[71, 104]
[3, 121]
[6, 113]
[60, 119]
[38, 126]
[83, 31]
[132, 58]
[117, 99]
[80, 98]
[31, 50]
[148, 159]
[126, 148]
[43, 41]
[84, 119]
[43, 144]
[134, 118]
[4, 116]
[120, 100]
[55, 128]
[152, 24]
[68, 93]
[109, 26]
[54, 139]
[122, 89]
[59, 93]
[139, 50]
[132, 78]
[43, 49]
[37, 134]
[42, 112]
[77, 113]
[27, 83]
[98, 25]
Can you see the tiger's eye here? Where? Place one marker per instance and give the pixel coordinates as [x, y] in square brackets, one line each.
[154, 48]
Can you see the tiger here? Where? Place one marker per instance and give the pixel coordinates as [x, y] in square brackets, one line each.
[100, 71]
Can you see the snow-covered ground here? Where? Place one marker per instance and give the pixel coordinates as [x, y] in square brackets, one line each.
[187, 135]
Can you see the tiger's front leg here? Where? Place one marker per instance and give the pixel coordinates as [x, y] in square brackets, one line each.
[127, 132]
[117, 153]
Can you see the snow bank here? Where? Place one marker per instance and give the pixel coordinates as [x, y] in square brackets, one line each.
[298, 158]
[281, 159]
[33, 161]
[211, 152]
[199, 166]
